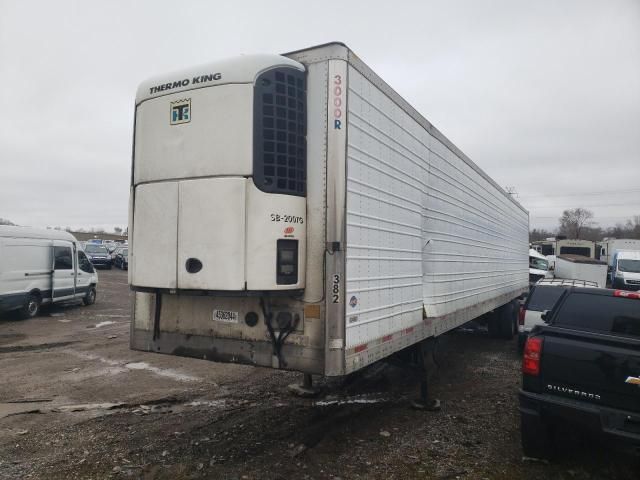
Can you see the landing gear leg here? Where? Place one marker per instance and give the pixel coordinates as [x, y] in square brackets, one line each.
[425, 352]
[306, 389]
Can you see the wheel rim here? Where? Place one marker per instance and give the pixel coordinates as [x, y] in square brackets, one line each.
[92, 296]
[32, 307]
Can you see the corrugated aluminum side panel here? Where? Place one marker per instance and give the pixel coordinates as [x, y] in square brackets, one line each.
[385, 181]
[477, 237]
[423, 226]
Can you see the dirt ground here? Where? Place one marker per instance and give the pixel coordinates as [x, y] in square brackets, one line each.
[75, 402]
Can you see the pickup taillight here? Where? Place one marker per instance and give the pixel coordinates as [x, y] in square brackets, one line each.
[625, 294]
[521, 314]
[532, 356]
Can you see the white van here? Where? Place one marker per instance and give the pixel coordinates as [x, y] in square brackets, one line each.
[538, 267]
[39, 267]
[625, 270]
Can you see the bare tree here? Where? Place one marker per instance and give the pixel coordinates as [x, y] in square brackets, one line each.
[118, 230]
[573, 221]
[539, 234]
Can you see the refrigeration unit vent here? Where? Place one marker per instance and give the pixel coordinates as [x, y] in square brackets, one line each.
[279, 142]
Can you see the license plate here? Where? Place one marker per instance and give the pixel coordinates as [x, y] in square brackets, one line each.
[225, 316]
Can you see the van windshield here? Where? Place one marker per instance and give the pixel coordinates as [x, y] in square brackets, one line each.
[95, 249]
[538, 263]
[629, 266]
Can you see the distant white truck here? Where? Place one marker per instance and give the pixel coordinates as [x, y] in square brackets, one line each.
[577, 267]
[610, 246]
[39, 267]
[625, 270]
[293, 211]
[552, 247]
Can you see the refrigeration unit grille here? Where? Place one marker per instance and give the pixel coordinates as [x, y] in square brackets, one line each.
[279, 138]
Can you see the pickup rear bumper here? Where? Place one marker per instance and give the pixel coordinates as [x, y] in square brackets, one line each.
[547, 409]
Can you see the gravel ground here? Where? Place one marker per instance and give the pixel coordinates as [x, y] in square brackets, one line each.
[75, 402]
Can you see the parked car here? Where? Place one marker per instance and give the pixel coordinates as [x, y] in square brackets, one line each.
[583, 370]
[122, 259]
[40, 267]
[98, 255]
[115, 252]
[110, 246]
[542, 297]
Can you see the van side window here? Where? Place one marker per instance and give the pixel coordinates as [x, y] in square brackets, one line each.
[84, 263]
[63, 258]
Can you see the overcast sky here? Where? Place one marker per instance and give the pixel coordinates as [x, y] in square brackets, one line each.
[542, 95]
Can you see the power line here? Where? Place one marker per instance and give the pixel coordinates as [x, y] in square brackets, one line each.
[607, 192]
[627, 217]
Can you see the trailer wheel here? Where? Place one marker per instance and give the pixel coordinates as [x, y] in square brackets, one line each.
[536, 438]
[90, 297]
[31, 306]
[508, 320]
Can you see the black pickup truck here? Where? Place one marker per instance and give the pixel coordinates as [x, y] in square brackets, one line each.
[583, 370]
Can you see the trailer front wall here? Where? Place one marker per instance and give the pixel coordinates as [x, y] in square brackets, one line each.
[424, 227]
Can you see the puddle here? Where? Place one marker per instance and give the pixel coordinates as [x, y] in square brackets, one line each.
[89, 406]
[362, 400]
[104, 324]
[207, 403]
[124, 366]
[34, 348]
[9, 409]
[161, 372]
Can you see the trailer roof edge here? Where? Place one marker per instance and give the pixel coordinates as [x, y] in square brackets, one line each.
[340, 51]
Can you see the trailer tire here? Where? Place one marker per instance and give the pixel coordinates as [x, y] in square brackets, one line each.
[536, 438]
[31, 306]
[90, 297]
[508, 320]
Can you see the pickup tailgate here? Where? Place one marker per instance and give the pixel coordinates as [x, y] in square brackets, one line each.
[592, 367]
[591, 349]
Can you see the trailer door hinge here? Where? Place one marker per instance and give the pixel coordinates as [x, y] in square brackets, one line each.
[333, 247]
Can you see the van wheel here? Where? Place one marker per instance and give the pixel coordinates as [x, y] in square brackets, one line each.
[31, 306]
[90, 297]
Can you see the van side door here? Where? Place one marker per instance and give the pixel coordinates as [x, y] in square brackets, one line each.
[64, 275]
[85, 274]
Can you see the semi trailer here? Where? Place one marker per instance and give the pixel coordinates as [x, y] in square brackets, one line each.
[293, 211]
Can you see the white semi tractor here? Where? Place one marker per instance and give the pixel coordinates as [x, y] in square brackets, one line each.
[293, 211]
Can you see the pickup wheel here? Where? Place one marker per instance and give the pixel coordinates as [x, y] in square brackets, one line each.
[508, 320]
[536, 438]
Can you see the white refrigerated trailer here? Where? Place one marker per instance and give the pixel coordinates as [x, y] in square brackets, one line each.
[293, 211]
